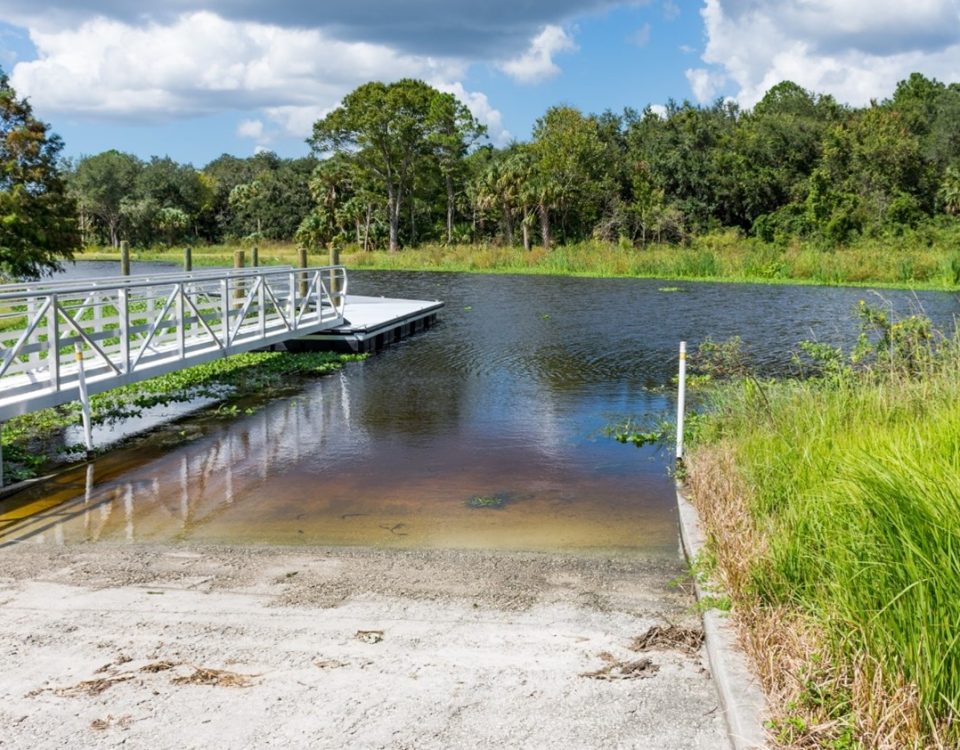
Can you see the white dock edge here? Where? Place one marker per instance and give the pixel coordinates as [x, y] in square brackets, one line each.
[741, 697]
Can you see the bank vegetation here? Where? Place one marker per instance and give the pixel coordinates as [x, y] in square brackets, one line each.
[833, 506]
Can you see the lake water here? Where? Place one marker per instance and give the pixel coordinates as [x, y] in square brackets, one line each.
[507, 397]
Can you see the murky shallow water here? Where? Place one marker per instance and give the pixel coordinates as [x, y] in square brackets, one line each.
[507, 396]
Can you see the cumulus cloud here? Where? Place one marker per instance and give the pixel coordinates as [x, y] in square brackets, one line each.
[853, 49]
[199, 64]
[491, 30]
[704, 83]
[536, 64]
[479, 107]
[250, 129]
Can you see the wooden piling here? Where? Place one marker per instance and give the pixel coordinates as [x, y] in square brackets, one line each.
[302, 263]
[187, 259]
[238, 261]
[334, 285]
[255, 257]
[124, 258]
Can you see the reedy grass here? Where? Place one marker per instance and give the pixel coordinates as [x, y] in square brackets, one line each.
[834, 506]
[929, 260]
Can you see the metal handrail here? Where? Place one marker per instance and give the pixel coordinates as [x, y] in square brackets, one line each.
[79, 286]
[138, 327]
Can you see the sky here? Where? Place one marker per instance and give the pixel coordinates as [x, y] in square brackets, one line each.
[193, 79]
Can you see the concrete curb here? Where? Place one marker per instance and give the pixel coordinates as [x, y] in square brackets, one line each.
[741, 697]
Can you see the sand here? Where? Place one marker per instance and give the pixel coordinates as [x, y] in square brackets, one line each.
[250, 647]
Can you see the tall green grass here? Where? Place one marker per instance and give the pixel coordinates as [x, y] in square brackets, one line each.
[922, 260]
[855, 488]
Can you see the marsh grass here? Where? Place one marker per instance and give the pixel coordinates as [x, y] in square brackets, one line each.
[927, 259]
[834, 510]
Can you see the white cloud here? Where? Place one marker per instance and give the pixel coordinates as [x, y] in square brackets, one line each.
[536, 64]
[250, 129]
[853, 49]
[671, 11]
[659, 110]
[202, 63]
[640, 37]
[479, 107]
[704, 83]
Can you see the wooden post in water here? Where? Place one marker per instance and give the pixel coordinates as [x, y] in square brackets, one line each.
[239, 257]
[334, 286]
[681, 398]
[302, 263]
[124, 258]
[255, 257]
[188, 259]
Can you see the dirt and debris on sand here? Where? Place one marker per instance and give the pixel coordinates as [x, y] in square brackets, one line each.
[670, 637]
[362, 648]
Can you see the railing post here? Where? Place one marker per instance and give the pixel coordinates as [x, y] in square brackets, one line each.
[181, 327]
[681, 398]
[293, 299]
[53, 343]
[123, 312]
[262, 305]
[84, 400]
[225, 312]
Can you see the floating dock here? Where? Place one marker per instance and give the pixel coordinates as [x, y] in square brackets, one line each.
[371, 323]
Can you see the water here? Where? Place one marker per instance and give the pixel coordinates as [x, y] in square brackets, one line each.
[507, 397]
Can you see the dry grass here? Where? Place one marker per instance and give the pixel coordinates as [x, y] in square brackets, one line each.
[622, 670]
[217, 677]
[816, 701]
[670, 637]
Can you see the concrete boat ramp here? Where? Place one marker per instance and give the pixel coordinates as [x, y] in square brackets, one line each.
[371, 323]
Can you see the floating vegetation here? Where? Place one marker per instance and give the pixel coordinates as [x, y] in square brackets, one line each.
[644, 431]
[498, 500]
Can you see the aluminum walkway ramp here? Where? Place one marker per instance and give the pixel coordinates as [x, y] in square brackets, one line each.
[121, 330]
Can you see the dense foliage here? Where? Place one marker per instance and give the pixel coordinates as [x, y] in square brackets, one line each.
[37, 218]
[402, 164]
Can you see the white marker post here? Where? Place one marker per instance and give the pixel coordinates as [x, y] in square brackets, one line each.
[681, 398]
[84, 400]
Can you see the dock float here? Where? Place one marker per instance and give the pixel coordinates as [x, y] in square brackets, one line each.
[370, 324]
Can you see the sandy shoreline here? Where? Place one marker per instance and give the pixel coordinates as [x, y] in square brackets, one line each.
[344, 647]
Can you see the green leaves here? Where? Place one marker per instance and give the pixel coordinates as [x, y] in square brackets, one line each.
[38, 227]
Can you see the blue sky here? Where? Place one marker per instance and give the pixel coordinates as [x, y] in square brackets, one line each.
[196, 78]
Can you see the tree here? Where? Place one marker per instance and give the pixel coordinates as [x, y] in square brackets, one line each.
[38, 224]
[568, 157]
[101, 184]
[455, 130]
[388, 128]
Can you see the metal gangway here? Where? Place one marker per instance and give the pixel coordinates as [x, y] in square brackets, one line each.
[61, 341]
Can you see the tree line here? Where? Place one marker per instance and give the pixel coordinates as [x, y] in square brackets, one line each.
[402, 164]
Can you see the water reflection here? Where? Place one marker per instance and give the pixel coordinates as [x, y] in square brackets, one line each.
[299, 471]
[506, 397]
